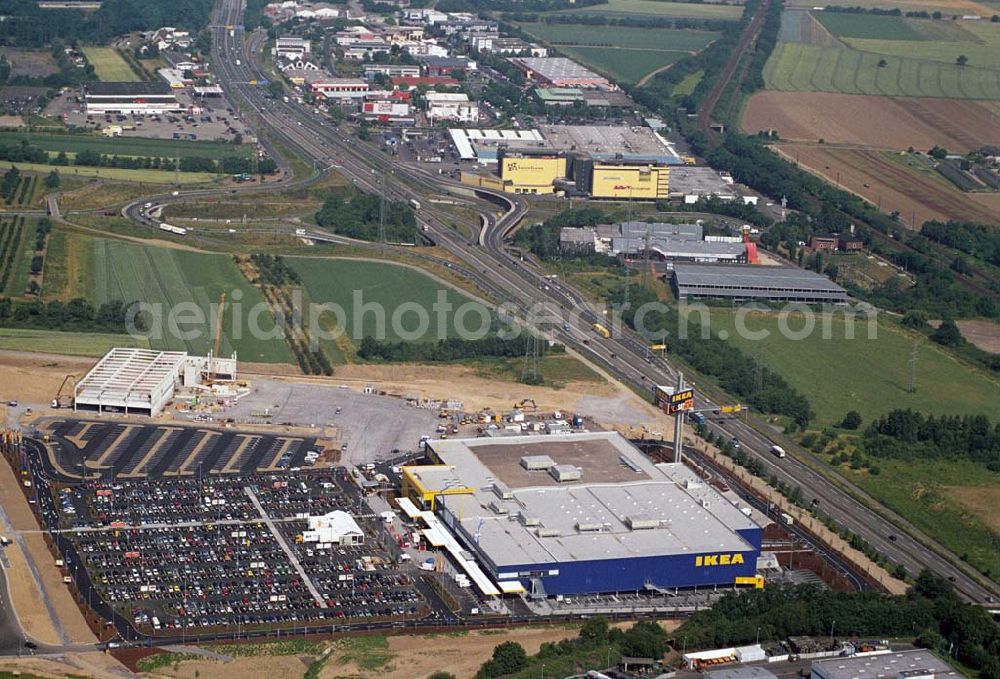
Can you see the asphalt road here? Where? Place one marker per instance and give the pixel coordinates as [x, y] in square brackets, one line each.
[520, 288]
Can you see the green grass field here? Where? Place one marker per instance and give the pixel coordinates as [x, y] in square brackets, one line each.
[925, 493]
[128, 146]
[620, 36]
[870, 376]
[17, 280]
[623, 53]
[623, 65]
[125, 271]
[70, 343]
[982, 49]
[800, 67]
[389, 286]
[109, 65]
[867, 26]
[661, 8]
[686, 86]
[144, 176]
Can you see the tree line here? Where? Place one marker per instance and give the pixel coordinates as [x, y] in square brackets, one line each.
[450, 349]
[24, 152]
[274, 270]
[930, 611]
[76, 315]
[979, 241]
[910, 435]
[358, 216]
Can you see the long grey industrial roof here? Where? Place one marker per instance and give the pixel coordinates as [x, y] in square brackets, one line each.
[743, 280]
[678, 247]
[887, 665]
[588, 519]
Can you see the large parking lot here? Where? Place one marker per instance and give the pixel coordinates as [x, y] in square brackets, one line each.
[200, 554]
[216, 121]
[132, 450]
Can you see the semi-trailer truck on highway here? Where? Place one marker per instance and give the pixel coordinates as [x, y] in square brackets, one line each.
[414, 203]
[778, 451]
[602, 331]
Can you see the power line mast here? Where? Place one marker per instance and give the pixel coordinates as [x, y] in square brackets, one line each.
[914, 356]
[758, 375]
[530, 373]
[381, 210]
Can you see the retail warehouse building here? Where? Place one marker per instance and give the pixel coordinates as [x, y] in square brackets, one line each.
[738, 283]
[583, 513]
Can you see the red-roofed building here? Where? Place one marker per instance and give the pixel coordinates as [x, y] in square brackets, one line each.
[431, 82]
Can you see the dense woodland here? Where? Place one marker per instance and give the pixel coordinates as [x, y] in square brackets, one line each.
[27, 25]
[358, 216]
[76, 315]
[451, 349]
[910, 435]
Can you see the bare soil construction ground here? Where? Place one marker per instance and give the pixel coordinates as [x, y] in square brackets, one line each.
[876, 177]
[91, 664]
[27, 600]
[878, 122]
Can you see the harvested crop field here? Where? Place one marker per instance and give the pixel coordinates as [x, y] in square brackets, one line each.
[878, 122]
[980, 500]
[880, 179]
[983, 334]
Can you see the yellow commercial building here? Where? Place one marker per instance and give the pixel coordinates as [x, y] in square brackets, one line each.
[423, 483]
[532, 174]
[642, 182]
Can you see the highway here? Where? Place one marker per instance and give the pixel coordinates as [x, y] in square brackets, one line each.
[525, 293]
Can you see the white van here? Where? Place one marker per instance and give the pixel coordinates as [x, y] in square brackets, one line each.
[778, 451]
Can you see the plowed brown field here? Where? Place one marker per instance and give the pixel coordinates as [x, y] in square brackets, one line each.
[888, 184]
[878, 122]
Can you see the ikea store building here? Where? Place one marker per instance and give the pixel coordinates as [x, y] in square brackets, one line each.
[584, 513]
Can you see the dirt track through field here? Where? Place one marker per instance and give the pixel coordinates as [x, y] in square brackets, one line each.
[888, 185]
[879, 122]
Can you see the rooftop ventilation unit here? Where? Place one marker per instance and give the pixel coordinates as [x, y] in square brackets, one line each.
[537, 462]
[565, 472]
[497, 507]
[502, 491]
[589, 527]
[640, 522]
[548, 532]
[529, 520]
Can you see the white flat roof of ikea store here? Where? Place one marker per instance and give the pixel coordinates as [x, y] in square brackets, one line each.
[691, 517]
[132, 378]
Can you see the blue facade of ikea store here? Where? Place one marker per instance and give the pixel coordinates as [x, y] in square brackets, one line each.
[669, 571]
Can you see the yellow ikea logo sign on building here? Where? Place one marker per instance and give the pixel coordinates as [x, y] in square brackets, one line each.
[719, 560]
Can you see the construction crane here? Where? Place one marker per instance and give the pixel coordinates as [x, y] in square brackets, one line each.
[217, 338]
[64, 400]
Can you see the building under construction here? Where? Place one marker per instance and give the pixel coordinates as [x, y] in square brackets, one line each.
[143, 381]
